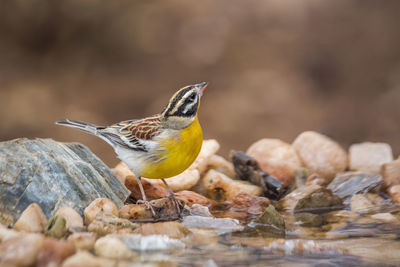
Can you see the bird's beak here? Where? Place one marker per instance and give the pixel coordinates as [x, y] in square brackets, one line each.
[200, 87]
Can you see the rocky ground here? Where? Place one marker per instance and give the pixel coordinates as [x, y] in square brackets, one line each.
[306, 203]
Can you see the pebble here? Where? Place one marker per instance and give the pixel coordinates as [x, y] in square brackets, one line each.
[249, 203]
[387, 217]
[320, 154]
[269, 224]
[309, 197]
[364, 203]
[56, 227]
[88, 259]
[31, 220]
[309, 219]
[391, 172]
[71, 216]
[107, 224]
[200, 210]
[83, 240]
[151, 242]
[171, 229]
[53, 252]
[152, 190]
[221, 187]
[220, 164]
[112, 247]
[220, 225]
[6, 233]
[348, 184]
[190, 198]
[276, 157]
[316, 180]
[164, 208]
[99, 206]
[21, 250]
[394, 192]
[369, 157]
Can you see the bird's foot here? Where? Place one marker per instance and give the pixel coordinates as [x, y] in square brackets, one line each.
[177, 204]
[148, 206]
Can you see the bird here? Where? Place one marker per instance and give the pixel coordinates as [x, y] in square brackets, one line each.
[159, 146]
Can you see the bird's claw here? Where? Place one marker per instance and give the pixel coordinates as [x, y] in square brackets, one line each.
[148, 206]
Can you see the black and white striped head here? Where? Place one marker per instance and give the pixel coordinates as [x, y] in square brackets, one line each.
[183, 105]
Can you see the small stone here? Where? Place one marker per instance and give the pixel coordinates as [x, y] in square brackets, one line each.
[6, 233]
[340, 216]
[121, 170]
[221, 187]
[249, 203]
[247, 169]
[72, 218]
[164, 209]
[86, 258]
[222, 165]
[31, 220]
[190, 198]
[199, 210]
[347, 184]
[6, 219]
[107, 224]
[21, 250]
[269, 223]
[394, 192]
[310, 198]
[320, 154]
[204, 236]
[275, 157]
[369, 157]
[97, 207]
[220, 225]
[386, 217]
[364, 203]
[83, 240]
[309, 219]
[53, 252]
[112, 247]
[315, 179]
[152, 190]
[151, 242]
[56, 227]
[391, 172]
[171, 229]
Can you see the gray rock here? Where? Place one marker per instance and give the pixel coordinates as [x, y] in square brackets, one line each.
[53, 175]
[220, 225]
[151, 242]
[269, 224]
[348, 184]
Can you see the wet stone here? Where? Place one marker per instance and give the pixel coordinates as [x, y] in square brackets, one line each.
[269, 224]
[151, 242]
[310, 198]
[309, 219]
[365, 203]
[247, 168]
[220, 225]
[348, 184]
[53, 175]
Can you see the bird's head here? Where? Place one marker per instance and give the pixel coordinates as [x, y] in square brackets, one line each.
[182, 108]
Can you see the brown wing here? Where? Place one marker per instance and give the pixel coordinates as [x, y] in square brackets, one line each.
[145, 129]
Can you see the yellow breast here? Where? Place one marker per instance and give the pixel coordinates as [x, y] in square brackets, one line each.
[181, 151]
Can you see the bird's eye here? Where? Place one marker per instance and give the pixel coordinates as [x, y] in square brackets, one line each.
[192, 97]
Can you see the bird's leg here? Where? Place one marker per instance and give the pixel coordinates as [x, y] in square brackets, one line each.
[144, 198]
[175, 201]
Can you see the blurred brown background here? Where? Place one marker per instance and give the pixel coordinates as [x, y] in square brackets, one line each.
[276, 68]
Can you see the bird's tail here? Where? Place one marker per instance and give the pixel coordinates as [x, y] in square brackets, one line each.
[83, 126]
